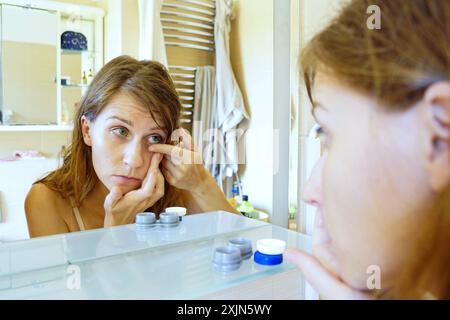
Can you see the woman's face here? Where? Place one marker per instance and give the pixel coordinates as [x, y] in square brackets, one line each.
[120, 137]
[370, 184]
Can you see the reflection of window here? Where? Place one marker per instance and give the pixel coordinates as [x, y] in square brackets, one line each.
[29, 64]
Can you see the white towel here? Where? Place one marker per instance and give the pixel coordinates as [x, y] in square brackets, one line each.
[230, 109]
[151, 37]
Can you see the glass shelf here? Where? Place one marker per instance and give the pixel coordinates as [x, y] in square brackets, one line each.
[68, 51]
[125, 263]
[79, 85]
[35, 128]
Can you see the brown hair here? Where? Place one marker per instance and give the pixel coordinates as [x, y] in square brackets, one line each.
[146, 81]
[395, 65]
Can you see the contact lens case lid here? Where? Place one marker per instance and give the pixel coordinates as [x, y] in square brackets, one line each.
[145, 218]
[270, 246]
[245, 245]
[180, 210]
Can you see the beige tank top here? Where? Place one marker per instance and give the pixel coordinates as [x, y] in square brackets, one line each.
[77, 215]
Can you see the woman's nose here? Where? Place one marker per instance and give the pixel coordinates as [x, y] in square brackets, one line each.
[133, 157]
[312, 192]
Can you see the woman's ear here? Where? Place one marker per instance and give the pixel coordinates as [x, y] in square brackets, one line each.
[437, 106]
[86, 130]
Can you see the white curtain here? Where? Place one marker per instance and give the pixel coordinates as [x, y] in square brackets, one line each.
[230, 111]
[151, 38]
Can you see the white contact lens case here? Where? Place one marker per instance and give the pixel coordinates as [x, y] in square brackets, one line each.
[271, 246]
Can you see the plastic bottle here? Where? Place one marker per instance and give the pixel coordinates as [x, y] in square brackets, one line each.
[236, 194]
[245, 207]
[233, 199]
[90, 76]
[84, 80]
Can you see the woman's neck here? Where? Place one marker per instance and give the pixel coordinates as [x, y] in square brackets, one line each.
[96, 197]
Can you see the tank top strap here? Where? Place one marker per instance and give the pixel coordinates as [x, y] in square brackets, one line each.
[77, 215]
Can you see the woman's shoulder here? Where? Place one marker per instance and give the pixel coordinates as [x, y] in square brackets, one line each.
[44, 210]
[45, 200]
[42, 193]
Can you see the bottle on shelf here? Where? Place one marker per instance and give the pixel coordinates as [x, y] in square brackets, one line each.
[245, 208]
[84, 79]
[90, 76]
[234, 198]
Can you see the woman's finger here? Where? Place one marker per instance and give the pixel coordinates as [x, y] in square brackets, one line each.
[167, 174]
[154, 165]
[114, 195]
[158, 191]
[150, 180]
[327, 285]
[160, 185]
[156, 160]
[186, 139]
[169, 165]
[178, 172]
[167, 149]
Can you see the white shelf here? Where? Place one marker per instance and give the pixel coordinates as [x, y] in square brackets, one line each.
[31, 128]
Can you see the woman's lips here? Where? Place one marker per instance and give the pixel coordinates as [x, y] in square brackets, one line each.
[127, 180]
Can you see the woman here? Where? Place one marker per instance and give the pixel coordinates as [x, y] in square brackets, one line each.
[382, 184]
[114, 168]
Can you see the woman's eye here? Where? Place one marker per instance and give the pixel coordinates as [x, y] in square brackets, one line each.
[154, 139]
[321, 134]
[319, 131]
[120, 131]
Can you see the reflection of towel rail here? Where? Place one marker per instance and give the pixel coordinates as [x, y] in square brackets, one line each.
[184, 83]
[189, 31]
[181, 90]
[187, 16]
[188, 23]
[189, 46]
[188, 8]
[185, 38]
[182, 75]
[207, 4]
[184, 68]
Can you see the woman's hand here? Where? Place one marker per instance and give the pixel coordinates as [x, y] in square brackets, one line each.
[183, 168]
[321, 269]
[122, 208]
[182, 165]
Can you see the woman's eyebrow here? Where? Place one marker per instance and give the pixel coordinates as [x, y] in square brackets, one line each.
[130, 123]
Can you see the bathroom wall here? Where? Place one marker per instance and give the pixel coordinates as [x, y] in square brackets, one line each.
[251, 47]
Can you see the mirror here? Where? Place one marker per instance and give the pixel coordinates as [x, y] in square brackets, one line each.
[28, 65]
[187, 29]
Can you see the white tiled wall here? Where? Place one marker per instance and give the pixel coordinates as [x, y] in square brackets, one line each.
[47, 142]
